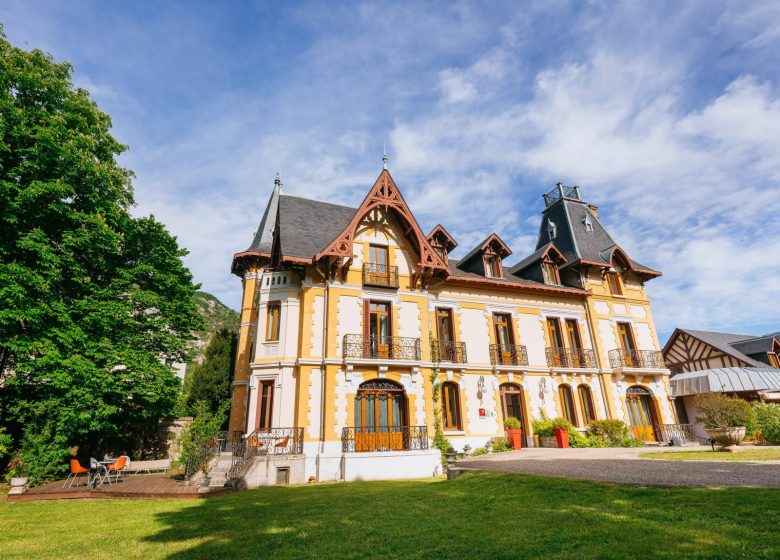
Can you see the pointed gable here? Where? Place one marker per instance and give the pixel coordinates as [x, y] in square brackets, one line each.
[442, 242]
[386, 195]
[477, 260]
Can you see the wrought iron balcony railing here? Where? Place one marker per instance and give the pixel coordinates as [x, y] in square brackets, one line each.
[383, 347]
[451, 351]
[384, 438]
[652, 359]
[571, 358]
[273, 441]
[380, 275]
[508, 354]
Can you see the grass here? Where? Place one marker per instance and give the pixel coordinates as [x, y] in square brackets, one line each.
[479, 515]
[709, 455]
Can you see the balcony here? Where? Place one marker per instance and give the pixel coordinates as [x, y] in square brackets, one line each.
[571, 358]
[380, 275]
[384, 347]
[454, 352]
[508, 355]
[641, 359]
[384, 438]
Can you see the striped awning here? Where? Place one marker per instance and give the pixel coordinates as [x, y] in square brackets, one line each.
[725, 380]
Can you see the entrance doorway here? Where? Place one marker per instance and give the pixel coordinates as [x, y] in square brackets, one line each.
[641, 413]
[380, 416]
[512, 402]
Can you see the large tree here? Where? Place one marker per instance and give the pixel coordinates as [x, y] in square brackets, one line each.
[209, 381]
[94, 303]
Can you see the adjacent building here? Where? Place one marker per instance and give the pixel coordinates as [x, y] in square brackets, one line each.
[352, 315]
[739, 365]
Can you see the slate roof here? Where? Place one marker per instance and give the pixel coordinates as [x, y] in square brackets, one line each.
[725, 380]
[573, 239]
[725, 342]
[306, 226]
[759, 345]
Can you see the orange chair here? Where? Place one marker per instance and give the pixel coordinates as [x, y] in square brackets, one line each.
[116, 469]
[282, 443]
[76, 470]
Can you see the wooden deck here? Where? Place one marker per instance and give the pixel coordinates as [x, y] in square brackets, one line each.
[136, 486]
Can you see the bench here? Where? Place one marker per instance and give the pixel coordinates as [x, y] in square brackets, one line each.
[137, 467]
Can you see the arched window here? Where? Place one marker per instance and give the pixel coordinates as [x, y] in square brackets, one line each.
[380, 416]
[512, 401]
[450, 406]
[586, 404]
[567, 404]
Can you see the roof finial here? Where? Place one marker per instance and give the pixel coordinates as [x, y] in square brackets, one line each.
[278, 181]
[384, 156]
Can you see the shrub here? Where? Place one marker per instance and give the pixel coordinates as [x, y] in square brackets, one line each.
[718, 411]
[479, 451]
[512, 423]
[197, 438]
[612, 431]
[501, 445]
[767, 422]
[40, 457]
[545, 427]
[5, 443]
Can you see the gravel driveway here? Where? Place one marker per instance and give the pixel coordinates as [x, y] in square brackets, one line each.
[626, 467]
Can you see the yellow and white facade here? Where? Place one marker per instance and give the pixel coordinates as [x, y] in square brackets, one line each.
[351, 317]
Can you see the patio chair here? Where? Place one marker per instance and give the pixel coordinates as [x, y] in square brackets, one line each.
[282, 444]
[116, 469]
[76, 470]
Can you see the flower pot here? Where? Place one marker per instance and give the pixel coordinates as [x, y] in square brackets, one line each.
[547, 441]
[515, 437]
[18, 481]
[562, 438]
[726, 437]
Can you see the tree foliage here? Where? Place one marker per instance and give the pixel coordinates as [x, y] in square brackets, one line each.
[209, 381]
[94, 303]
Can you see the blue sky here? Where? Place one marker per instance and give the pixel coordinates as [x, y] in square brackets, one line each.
[666, 113]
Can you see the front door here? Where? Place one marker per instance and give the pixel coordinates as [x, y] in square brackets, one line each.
[512, 402]
[504, 338]
[380, 415]
[640, 413]
[627, 345]
[379, 329]
[444, 328]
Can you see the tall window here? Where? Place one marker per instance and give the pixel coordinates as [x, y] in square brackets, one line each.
[272, 321]
[378, 257]
[613, 279]
[567, 404]
[586, 404]
[378, 329]
[554, 330]
[504, 337]
[445, 332]
[493, 266]
[550, 273]
[573, 334]
[627, 343]
[265, 404]
[450, 401]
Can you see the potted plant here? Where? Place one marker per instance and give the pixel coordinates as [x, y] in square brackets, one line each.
[726, 420]
[514, 432]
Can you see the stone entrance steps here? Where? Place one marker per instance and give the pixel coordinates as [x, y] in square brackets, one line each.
[220, 465]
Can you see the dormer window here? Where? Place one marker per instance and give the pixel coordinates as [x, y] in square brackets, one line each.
[492, 266]
[550, 273]
[552, 229]
[613, 279]
[586, 221]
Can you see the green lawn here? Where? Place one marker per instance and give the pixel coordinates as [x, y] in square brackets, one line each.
[479, 515]
[710, 455]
